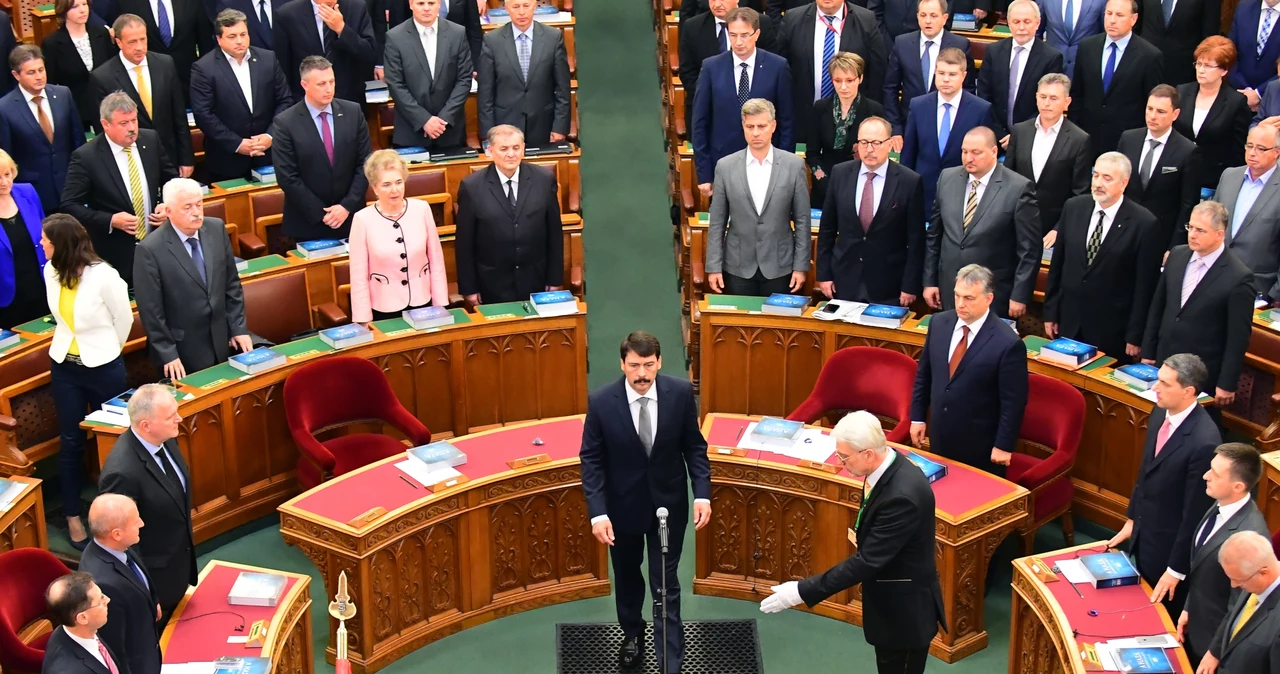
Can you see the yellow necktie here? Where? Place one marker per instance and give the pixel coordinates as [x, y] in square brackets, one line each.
[135, 193]
[143, 92]
[1249, 606]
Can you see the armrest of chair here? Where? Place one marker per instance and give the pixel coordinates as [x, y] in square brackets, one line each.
[251, 246]
[1269, 438]
[687, 204]
[1056, 464]
[313, 451]
[575, 200]
[698, 277]
[679, 127]
[809, 411]
[12, 460]
[406, 423]
[331, 315]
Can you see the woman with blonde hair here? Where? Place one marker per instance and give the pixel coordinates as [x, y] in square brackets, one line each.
[833, 128]
[21, 283]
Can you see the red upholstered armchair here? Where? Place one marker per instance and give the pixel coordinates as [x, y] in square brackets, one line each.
[24, 575]
[1052, 424]
[333, 392]
[863, 378]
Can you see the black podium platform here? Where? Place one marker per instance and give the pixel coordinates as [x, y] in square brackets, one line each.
[711, 647]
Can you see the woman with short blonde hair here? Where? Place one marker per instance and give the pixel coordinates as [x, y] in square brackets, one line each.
[833, 127]
[21, 257]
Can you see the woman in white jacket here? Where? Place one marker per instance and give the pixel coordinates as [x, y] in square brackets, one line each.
[90, 304]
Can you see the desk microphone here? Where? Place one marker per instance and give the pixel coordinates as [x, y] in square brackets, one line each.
[662, 528]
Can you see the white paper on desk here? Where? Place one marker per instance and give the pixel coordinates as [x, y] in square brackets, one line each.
[1107, 656]
[188, 668]
[1154, 641]
[810, 445]
[105, 417]
[418, 471]
[1073, 570]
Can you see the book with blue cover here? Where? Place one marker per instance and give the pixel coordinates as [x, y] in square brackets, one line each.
[964, 22]
[346, 335]
[238, 665]
[119, 403]
[883, 316]
[438, 455]
[376, 91]
[264, 174]
[776, 431]
[8, 338]
[932, 470]
[425, 318]
[1068, 352]
[815, 218]
[784, 305]
[1110, 569]
[321, 248]
[554, 303]
[258, 360]
[413, 154]
[252, 588]
[1153, 660]
[499, 15]
[1138, 375]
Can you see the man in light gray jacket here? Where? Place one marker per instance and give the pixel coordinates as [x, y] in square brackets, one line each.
[758, 240]
[1251, 194]
[428, 69]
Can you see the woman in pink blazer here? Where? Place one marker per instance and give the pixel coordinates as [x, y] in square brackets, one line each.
[396, 259]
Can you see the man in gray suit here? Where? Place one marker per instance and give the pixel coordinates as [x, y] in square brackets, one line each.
[523, 78]
[1251, 194]
[188, 290]
[1248, 640]
[983, 214]
[427, 63]
[1232, 475]
[769, 256]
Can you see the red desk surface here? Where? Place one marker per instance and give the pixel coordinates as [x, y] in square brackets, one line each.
[204, 639]
[1122, 611]
[487, 452]
[963, 490]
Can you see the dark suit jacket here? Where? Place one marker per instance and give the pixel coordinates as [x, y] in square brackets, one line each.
[168, 104]
[905, 82]
[717, 115]
[894, 563]
[420, 93]
[64, 656]
[821, 152]
[1104, 115]
[698, 42]
[506, 253]
[260, 35]
[309, 181]
[887, 258]
[1223, 133]
[95, 191]
[222, 113]
[1066, 173]
[894, 17]
[538, 107]
[1190, 23]
[131, 628]
[920, 137]
[7, 43]
[167, 548]
[1054, 31]
[1252, 69]
[63, 65]
[1168, 499]
[858, 35]
[353, 53]
[1174, 187]
[1255, 648]
[1215, 323]
[41, 163]
[186, 317]
[993, 81]
[619, 479]
[461, 13]
[1209, 590]
[1104, 304]
[692, 8]
[981, 406]
[191, 30]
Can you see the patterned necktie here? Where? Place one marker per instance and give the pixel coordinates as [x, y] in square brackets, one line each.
[924, 67]
[198, 258]
[263, 16]
[867, 208]
[1166, 8]
[135, 193]
[744, 87]
[1148, 162]
[958, 354]
[162, 23]
[944, 131]
[326, 135]
[1069, 18]
[523, 53]
[144, 92]
[1109, 70]
[1095, 240]
[46, 124]
[1013, 80]
[1208, 526]
[1268, 19]
[1250, 605]
[645, 427]
[1192, 278]
[723, 37]
[1162, 436]
[828, 51]
[971, 203]
[106, 657]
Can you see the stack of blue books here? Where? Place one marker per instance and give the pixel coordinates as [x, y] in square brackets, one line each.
[1110, 569]
[438, 455]
[1152, 660]
[883, 316]
[346, 335]
[554, 303]
[1138, 375]
[237, 665]
[1068, 352]
[932, 469]
[258, 360]
[776, 431]
[785, 305]
[264, 174]
[8, 338]
[425, 318]
[321, 248]
[413, 155]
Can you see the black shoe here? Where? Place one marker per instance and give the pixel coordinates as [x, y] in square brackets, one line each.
[629, 655]
[80, 545]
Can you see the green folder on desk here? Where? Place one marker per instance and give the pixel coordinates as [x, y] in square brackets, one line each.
[1001, 29]
[40, 326]
[233, 184]
[213, 377]
[506, 310]
[399, 326]
[303, 347]
[735, 302]
[261, 264]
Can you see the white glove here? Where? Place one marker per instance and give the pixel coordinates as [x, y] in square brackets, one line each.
[784, 597]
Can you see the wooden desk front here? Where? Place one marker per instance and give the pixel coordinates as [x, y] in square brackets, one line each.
[437, 563]
[22, 525]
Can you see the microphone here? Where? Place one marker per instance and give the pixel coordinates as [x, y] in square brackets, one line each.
[662, 528]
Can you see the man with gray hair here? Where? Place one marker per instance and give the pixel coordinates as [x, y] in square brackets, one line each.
[765, 253]
[146, 466]
[188, 291]
[1013, 67]
[1248, 641]
[1251, 194]
[1105, 265]
[122, 156]
[971, 383]
[894, 552]
[1169, 497]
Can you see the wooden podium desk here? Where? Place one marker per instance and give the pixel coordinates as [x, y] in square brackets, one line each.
[1269, 490]
[505, 541]
[773, 521]
[1046, 616]
[22, 524]
[200, 625]
[478, 373]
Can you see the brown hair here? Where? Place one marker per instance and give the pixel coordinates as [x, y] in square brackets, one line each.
[640, 343]
[1166, 91]
[72, 249]
[953, 57]
[61, 7]
[848, 62]
[1218, 49]
[1246, 462]
[750, 16]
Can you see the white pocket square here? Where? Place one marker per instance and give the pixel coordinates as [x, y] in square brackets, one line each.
[1168, 169]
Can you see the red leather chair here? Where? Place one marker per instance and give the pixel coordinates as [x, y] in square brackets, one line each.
[24, 575]
[333, 392]
[863, 378]
[1054, 419]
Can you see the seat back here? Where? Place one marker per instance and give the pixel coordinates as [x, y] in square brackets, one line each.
[1054, 416]
[335, 391]
[24, 575]
[278, 306]
[267, 209]
[863, 378]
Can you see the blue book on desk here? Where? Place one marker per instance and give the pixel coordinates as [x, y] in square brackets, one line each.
[346, 335]
[413, 154]
[425, 318]
[932, 470]
[321, 248]
[554, 303]
[785, 305]
[8, 338]
[776, 431]
[498, 13]
[1110, 569]
[1068, 352]
[883, 316]
[1138, 375]
[437, 454]
[119, 403]
[815, 218]
[257, 360]
[964, 22]
[1144, 660]
[236, 665]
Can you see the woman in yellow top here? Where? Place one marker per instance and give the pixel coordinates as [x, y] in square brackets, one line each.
[90, 304]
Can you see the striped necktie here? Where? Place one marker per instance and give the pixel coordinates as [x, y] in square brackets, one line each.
[971, 203]
[135, 192]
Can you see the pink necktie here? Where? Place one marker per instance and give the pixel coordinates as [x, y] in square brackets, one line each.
[1189, 282]
[106, 657]
[326, 135]
[867, 209]
[1163, 436]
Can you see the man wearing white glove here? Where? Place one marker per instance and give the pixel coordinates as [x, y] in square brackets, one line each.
[901, 596]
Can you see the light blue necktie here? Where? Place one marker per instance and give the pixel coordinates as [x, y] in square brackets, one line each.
[1268, 19]
[1013, 81]
[197, 257]
[828, 51]
[1069, 19]
[162, 21]
[1110, 70]
[924, 67]
[945, 131]
[523, 53]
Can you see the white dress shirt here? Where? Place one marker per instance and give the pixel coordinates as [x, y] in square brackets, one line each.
[241, 70]
[168, 8]
[315, 9]
[514, 180]
[133, 76]
[90, 645]
[1107, 219]
[1225, 512]
[758, 172]
[820, 29]
[955, 110]
[1121, 45]
[877, 187]
[258, 6]
[874, 478]
[751, 70]
[933, 56]
[1043, 144]
[983, 181]
[1022, 62]
[429, 37]
[1156, 153]
[1198, 116]
[44, 103]
[122, 163]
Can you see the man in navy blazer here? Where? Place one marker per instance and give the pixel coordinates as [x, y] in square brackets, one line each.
[345, 39]
[42, 155]
[972, 379]
[928, 147]
[1169, 498]
[1254, 70]
[1064, 34]
[717, 105]
[641, 446]
[260, 17]
[908, 75]
[894, 17]
[235, 128]
[1034, 59]
[7, 43]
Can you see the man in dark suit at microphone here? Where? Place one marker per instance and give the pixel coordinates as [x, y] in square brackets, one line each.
[640, 445]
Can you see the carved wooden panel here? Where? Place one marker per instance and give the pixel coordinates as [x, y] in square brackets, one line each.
[761, 370]
[1111, 445]
[539, 539]
[774, 541]
[422, 383]
[843, 341]
[415, 579]
[36, 417]
[202, 439]
[537, 375]
[261, 423]
[23, 532]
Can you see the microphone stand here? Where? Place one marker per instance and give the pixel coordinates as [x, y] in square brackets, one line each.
[662, 601]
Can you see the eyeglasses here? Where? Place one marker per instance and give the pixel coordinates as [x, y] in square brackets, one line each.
[1208, 66]
[872, 144]
[741, 36]
[1196, 230]
[1250, 147]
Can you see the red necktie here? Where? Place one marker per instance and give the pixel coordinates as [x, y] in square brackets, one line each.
[106, 657]
[958, 354]
[1163, 436]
